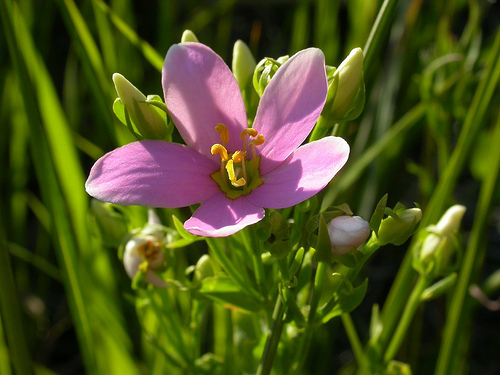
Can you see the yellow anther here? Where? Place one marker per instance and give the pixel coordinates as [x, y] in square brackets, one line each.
[221, 150]
[224, 133]
[232, 175]
[238, 156]
[257, 141]
[250, 131]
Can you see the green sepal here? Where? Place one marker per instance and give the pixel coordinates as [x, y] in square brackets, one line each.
[180, 229]
[378, 214]
[223, 290]
[323, 246]
[293, 312]
[358, 104]
[297, 261]
[348, 260]
[439, 288]
[123, 116]
[139, 280]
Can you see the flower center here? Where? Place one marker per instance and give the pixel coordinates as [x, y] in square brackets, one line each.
[238, 174]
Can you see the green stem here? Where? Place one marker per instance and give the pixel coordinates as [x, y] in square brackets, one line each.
[410, 308]
[305, 342]
[273, 339]
[353, 337]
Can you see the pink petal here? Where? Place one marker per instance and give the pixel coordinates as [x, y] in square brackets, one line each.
[308, 170]
[201, 92]
[220, 216]
[290, 106]
[154, 174]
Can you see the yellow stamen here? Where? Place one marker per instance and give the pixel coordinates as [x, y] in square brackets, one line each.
[239, 157]
[257, 141]
[250, 131]
[232, 176]
[221, 150]
[224, 133]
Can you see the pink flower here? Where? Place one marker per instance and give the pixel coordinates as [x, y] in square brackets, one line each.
[234, 171]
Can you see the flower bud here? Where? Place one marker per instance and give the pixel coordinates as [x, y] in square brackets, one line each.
[151, 121]
[189, 36]
[347, 233]
[345, 84]
[398, 228]
[144, 253]
[264, 71]
[438, 243]
[204, 268]
[243, 64]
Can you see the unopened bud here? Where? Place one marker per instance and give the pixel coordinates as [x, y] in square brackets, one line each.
[347, 233]
[188, 36]
[243, 64]
[144, 253]
[398, 228]
[264, 72]
[150, 121]
[345, 83]
[440, 235]
[204, 268]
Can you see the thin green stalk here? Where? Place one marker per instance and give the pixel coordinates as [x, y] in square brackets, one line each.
[471, 263]
[271, 347]
[305, 341]
[11, 314]
[354, 340]
[409, 311]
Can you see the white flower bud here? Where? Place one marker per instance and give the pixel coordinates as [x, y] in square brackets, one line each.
[144, 254]
[349, 75]
[243, 64]
[347, 233]
[150, 120]
[441, 233]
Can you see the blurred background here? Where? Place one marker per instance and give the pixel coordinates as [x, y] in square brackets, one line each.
[56, 117]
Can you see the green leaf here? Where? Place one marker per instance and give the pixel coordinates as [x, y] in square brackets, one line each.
[223, 290]
[346, 302]
[183, 233]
